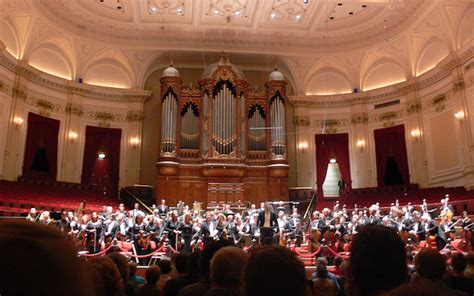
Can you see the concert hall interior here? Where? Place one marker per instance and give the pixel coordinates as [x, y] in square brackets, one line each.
[181, 147]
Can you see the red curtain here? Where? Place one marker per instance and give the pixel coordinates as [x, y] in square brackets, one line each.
[332, 146]
[103, 172]
[42, 132]
[390, 142]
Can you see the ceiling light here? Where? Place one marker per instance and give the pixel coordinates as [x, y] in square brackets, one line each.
[101, 155]
[298, 17]
[180, 10]
[216, 12]
[153, 9]
[332, 160]
[273, 15]
[237, 13]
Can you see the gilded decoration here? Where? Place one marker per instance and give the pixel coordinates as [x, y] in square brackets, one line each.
[359, 118]
[388, 118]
[302, 121]
[135, 115]
[414, 107]
[439, 102]
[74, 109]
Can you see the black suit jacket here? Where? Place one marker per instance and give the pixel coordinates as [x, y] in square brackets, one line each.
[273, 219]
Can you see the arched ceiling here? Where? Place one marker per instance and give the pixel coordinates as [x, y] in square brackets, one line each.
[343, 43]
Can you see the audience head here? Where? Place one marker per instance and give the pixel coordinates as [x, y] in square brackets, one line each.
[152, 275]
[470, 259]
[132, 267]
[34, 254]
[165, 266]
[458, 262]
[122, 266]
[275, 271]
[227, 266]
[430, 264]
[181, 263]
[374, 249]
[208, 253]
[105, 276]
[321, 271]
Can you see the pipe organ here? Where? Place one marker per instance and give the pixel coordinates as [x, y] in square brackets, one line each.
[222, 141]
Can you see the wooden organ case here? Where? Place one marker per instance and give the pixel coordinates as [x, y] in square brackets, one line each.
[222, 141]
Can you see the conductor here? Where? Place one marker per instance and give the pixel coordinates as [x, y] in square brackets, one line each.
[268, 223]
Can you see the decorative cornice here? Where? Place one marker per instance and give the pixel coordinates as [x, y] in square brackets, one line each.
[97, 92]
[444, 69]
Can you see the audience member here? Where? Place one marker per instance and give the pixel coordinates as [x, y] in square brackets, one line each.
[105, 276]
[172, 286]
[336, 269]
[152, 276]
[165, 267]
[469, 272]
[275, 271]
[134, 279]
[36, 259]
[456, 280]
[430, 267]
[324, 262]
[322, 284]
[377, 263]
[191, 276]
[226, 272]
[122, 265]
[203, 285]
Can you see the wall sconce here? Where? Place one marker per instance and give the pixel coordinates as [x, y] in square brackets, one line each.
[73, 136]
[360, 144]
[415, 134]
[18, 121]
[459, 115]
[134, 141]
[303, 146]
[101, 155]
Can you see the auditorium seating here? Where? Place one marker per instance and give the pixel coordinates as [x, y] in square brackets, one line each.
[18, 197]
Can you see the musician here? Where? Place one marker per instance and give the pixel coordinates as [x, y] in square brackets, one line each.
[432, 230]
[136, 210]
[163, 209]
[446, 225]
[416, 229]
[171, 228]
[64, 223]
[295, 214]
[227, 210]
[186, 231]
[373, 218]
[262, 207]
[31, 215]
[220, 231]
[112, 226]
[207, 227]
[316, 222]
[283, 226]
[268, 223]
[153, 228]
[468, 228]
[94, 238]
[121, 209]
[326, 218]
[44, 218]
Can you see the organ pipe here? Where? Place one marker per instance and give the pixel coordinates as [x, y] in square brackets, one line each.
[224, 124]
[277, 115]
[169, 123]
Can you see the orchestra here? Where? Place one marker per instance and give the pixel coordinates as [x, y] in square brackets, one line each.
[184, 229]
